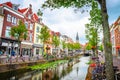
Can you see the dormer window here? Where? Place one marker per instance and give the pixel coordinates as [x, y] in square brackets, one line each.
[15, 6]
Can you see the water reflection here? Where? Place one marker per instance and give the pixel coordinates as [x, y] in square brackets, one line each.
[73, 70]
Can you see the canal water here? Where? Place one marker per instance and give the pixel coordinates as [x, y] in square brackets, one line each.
[75, 69]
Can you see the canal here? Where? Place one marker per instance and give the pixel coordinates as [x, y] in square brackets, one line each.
[75, 69]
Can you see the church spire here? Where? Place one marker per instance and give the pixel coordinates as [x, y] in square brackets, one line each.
[77, 38]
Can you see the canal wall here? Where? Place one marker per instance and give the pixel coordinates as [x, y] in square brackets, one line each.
[19, 65]
[15, 66]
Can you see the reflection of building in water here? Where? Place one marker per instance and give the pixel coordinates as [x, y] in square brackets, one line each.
[47, 75]
[37, 76]
[26, 77]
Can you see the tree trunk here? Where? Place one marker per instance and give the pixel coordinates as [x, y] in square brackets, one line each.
[106, 42]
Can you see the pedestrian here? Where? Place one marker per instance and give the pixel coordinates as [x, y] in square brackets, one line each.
[1, 52]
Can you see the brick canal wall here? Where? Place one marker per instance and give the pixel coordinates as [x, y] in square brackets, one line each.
[14, 66]
[17, 65]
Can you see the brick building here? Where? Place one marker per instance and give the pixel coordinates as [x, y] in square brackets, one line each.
[27, 45]
[11, 18]
[115, 37]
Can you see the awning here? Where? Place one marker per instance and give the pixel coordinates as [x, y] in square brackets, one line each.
[37, 45]
[26, 46]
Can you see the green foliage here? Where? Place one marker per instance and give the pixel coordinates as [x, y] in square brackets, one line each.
[90, 62]
[48, 65]
[64, 44]
[70, 46]
[76, 46]
[66, 3]
[101, 47]
[39, 13]
[19, 32]
[44, 34]
[94, 27]
[88, 47]
[55, 41]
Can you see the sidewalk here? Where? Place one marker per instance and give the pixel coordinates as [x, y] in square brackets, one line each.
[116, 62]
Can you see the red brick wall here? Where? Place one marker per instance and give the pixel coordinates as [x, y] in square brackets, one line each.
[6, 23]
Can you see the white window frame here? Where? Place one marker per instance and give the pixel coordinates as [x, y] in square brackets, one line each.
[8, 28]
[31, 26]
[8, 17]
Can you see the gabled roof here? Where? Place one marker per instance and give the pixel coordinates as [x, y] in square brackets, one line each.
[22, 10]
[116, 22]
[35, 17]
[7, 3]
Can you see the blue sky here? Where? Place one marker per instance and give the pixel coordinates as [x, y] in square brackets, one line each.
[65, 20]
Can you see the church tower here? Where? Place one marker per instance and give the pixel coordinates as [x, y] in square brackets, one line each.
[77, 38]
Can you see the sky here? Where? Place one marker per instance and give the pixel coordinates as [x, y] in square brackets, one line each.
[66, 21]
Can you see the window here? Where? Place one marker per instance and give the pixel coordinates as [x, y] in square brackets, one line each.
[26, 24]
[14, 20]
[7, 31]
[9, 18]
[37, 30]
[37, 38]
[15, 7]
[31, 37]
[29, 16]
[31, 26]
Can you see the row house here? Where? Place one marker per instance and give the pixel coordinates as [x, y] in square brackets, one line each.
[38, 45]
[115, 37]
[27, 45]
[10, 17]
[55, 49]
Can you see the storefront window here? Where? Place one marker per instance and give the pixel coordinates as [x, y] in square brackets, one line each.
[37, 51]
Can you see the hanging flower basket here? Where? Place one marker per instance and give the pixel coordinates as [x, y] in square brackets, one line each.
[93, 65]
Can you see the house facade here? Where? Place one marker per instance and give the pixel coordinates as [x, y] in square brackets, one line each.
[27, 45]
[11, 18]
[38, 45]
[115, 37]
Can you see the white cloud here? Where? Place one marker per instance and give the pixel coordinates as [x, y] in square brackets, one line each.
[67, 22]
[63, 20]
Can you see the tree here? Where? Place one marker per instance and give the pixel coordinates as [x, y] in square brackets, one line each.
[88, 46]
[93, 28]
[91, 36]
[64, 44]
[105, 25]
[19, 33]
[101, 47]
[76, 46]
[55, 41]
[44, 35]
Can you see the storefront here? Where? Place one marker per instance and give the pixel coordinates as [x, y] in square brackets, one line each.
[26, 49]
[38, 49]
[7, 45]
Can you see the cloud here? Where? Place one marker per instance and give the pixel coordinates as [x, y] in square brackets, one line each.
[67, 22]
[63, 20]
